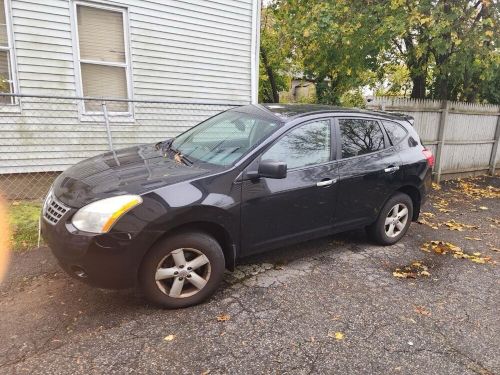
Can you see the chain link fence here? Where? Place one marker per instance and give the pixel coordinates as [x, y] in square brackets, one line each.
[40, 136]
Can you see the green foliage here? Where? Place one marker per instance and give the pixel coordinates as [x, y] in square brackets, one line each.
[273, 69]
[353, 98]
[439, 49]
[23, 218]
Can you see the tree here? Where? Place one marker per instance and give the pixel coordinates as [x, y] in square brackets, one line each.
[447, 46]
[441, 49]
[273, 58]
[334, 43]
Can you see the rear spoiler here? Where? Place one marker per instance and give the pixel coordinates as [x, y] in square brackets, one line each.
[403, 116]
[408, 118]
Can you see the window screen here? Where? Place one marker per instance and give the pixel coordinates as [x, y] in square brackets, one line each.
[306, 145]
[360, 137]
[103, 57]
[396, 132]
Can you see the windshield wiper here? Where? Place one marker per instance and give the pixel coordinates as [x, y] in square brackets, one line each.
[168, 150]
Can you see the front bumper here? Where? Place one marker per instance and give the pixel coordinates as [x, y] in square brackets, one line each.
[109, 260]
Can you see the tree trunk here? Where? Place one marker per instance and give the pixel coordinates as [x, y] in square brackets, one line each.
[417, 67]
[270, 75]
[418, 90]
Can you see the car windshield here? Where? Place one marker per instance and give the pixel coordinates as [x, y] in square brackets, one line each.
[224, 138]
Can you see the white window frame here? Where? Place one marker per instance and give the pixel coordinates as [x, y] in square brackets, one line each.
[92, 116]
[14, 105]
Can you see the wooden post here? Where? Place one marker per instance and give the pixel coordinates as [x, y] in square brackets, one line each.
[494, 149]
[441, 131]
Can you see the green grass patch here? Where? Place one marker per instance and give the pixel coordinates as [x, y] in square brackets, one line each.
[23, 217]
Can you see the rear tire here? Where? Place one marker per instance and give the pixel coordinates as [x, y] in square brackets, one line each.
[393, 221]
[182, 270]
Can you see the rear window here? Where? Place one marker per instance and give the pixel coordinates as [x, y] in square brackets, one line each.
[395, 131]
[360, 137]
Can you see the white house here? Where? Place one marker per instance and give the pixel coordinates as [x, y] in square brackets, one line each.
[200, 54]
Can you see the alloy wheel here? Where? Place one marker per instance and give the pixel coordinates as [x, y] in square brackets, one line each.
[396, 219]
[183, 272]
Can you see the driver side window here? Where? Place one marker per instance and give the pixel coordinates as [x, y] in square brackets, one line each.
[306, 145]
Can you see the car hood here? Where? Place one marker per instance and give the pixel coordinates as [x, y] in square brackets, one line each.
[133, 170]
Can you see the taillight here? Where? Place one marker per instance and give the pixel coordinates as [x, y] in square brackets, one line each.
[429, 156]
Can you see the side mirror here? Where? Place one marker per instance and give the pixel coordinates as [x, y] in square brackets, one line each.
[272, 169]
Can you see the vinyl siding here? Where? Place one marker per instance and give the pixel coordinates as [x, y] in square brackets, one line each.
[195, 51]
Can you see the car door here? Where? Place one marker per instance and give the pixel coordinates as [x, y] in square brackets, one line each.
[279, 211]
[369, 170]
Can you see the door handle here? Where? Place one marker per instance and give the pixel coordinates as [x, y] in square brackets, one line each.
[326, 182]
[391, 169]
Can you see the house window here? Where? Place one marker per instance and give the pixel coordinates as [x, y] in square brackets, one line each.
[6, 73]
[103, 56]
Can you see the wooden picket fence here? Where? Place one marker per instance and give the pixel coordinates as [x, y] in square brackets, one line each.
[463, 136]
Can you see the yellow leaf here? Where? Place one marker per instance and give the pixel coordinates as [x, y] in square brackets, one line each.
[337, 335]
[399, 274]
[223, 317]
[473, 238]
[169, 338]
[478, 260]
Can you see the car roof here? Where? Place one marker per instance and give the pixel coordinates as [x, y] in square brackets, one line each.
[287, 112]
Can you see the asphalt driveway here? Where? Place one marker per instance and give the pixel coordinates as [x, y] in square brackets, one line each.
[335, 305]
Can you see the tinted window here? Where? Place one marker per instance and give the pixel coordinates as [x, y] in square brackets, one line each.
[396, 132]
[306, 145]
[360, 137]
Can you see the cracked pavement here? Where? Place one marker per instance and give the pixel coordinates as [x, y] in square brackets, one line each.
[285, 308]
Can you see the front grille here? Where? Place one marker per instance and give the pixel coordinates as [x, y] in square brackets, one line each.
[53, 210]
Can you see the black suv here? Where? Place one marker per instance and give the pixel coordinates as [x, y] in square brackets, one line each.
[170, 217]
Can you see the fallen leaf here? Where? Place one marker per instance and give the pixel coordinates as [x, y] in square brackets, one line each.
[474, 191]
[424, 221]
[443, 248]
[336, 335]
[399, 274]
[478, 260]
[223, 317]
[169, 338]
[412, 271]
[454, 225]
[422, 311]
[473, 238]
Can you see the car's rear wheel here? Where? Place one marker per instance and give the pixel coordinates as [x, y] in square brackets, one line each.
[182, 270]
[393, 220]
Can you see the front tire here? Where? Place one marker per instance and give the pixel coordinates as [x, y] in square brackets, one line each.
[182, 270]
[393, 221]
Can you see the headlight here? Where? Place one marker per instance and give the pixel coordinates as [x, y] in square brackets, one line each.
[100, 216]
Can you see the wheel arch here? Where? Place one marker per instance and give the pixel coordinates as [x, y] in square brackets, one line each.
[416, 198]
[217, 231]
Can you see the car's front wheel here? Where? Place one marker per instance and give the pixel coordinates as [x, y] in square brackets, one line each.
[182, 270]
[393, 220]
